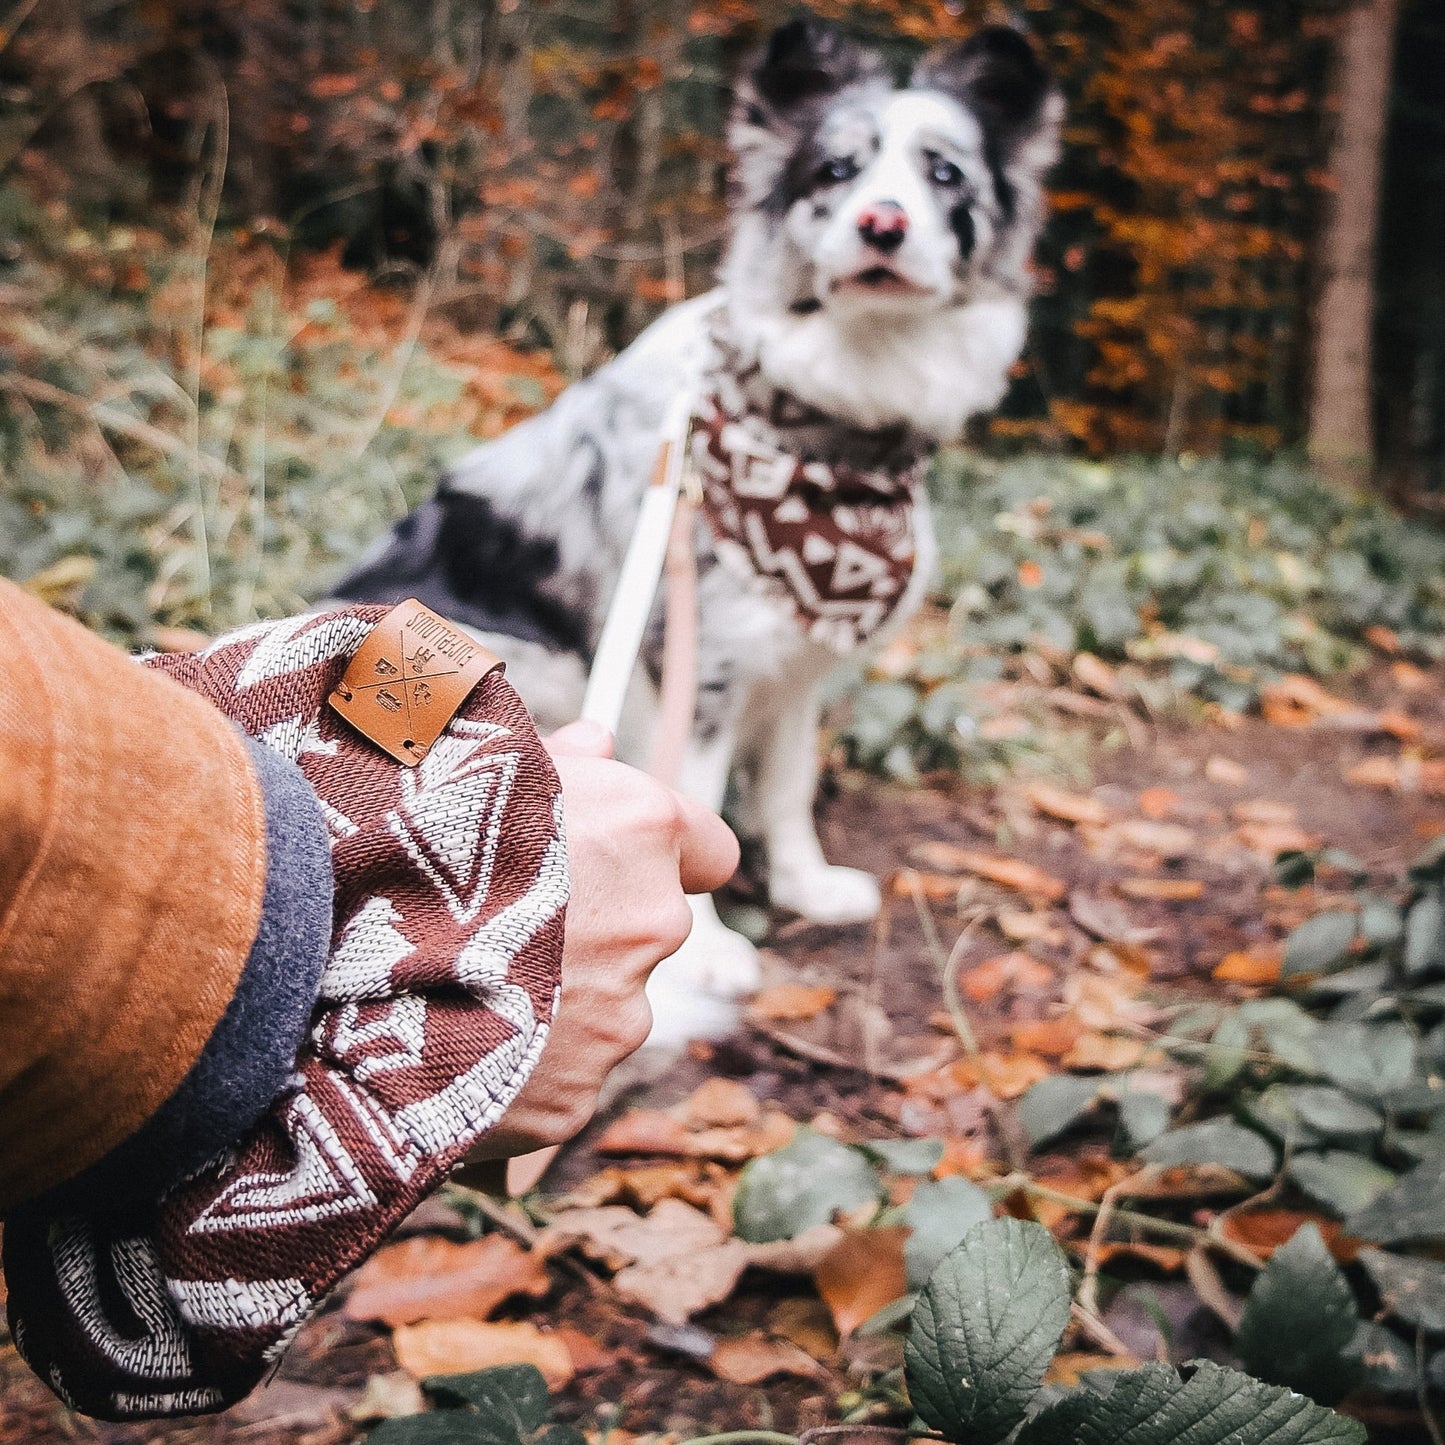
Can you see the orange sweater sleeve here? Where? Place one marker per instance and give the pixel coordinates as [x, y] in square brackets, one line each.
[132, 870]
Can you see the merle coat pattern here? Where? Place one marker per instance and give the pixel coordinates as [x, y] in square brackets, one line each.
[878, 272]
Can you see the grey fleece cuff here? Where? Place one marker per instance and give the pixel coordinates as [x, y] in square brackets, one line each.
[252, 1052]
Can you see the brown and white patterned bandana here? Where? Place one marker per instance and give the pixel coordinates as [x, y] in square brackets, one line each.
[821, 513]
[451, 890]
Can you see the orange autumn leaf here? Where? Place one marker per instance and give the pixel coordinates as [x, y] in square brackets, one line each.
[1298, 701]
[1264, 1230]
[1158, 803]
[1070, 1366]
[1376, 772]
[1016, 970]
[1011, 1076]
[722, 1102]
[751, 1359]
[1006, 872]
[1094, 674]
[862, 1274]
[1031, 575]
[1226, 772]
[792, 1002]
[1164, 1258]
[1399, 725]
[646, 1131]
[1020, 927]
[1067, 807]
[968, 1157]
[1107, 1052]
[1052, 1038]
[455, 1347]
[1255, 968]
[1262, 810]
[1163, 890]
[935, 887]
[1271, 839]
[428, 1278]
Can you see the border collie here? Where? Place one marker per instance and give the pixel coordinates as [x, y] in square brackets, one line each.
[873, 298]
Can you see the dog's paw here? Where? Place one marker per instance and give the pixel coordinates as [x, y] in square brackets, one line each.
[828, 895]
[694, 993]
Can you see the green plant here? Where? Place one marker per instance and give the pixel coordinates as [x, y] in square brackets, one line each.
[987, 1325]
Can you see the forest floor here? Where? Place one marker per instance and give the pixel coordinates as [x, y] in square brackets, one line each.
[1120, 901]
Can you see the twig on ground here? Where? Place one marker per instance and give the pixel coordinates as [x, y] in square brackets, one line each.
[1089, 1323]
[1202, 1274]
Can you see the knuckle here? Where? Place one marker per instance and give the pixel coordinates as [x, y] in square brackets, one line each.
[636, 1025]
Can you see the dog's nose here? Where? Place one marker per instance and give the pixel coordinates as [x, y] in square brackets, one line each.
[883, 226]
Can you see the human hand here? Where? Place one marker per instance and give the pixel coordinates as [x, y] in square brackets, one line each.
[635, 849]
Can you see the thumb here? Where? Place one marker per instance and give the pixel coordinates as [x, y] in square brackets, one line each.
[580, 740]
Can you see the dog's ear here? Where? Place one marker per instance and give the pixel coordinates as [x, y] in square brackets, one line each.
[997, 73]
[806, 60]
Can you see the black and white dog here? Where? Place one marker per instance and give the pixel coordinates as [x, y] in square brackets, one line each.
[873, 299]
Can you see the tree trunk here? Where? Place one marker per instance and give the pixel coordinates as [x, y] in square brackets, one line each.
[1341, 414]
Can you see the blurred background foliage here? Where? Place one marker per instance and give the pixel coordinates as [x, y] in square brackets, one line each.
[266, 266]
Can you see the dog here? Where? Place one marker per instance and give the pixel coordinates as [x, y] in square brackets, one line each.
[873, 297]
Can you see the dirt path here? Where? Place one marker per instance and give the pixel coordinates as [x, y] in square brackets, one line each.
[1197, 813]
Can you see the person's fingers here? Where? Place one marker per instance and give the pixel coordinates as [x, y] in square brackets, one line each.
[580, 739]
[708, 850]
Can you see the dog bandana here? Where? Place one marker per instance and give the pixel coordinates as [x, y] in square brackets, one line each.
[821, 513]
[451, 890]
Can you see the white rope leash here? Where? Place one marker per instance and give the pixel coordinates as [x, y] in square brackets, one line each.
[662, 536]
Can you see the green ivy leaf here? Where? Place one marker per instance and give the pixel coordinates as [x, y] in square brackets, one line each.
[444, 1427]
[1219, 1141]
[1412, 1208]
[1425, 935]
[1214, 1406]
[1298, 1320]
[905, 1156]
[511, 1402]
[1320, 944]
[1339, 1181]
[1411, 1290]
[1366, 1058]
[985, 1329]
[940, 1213]
[803, 1184]
[1054, 1105]
[1387, 1362]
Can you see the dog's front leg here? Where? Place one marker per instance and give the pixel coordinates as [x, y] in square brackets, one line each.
[785, 782]
[692, 993]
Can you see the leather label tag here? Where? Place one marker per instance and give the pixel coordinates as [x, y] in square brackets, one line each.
[408, 679]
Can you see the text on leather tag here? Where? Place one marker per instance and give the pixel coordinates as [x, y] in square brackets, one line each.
[408, 679]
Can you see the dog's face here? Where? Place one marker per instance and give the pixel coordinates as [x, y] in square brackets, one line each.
[872, 197]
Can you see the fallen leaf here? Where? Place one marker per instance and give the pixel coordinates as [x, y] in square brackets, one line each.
[1255, 968]
[386, 1397]
[1052, 1038]
[1226, 772]
[1070, 1367]
[1014, 971]
[751, 1359]
[807, 1322]
[1163, 890]
[1010, 1076]
[1399, 725]
[455, 1347]
[1168, 840]
[1067, 807]
[1108, 1052]
[1162, 1256]
[646, 1131]
[1095, 674]
[660, 1132]
[587, 1355]
[1409, 677]
[1106, 920]
[1031, 575]
[864, 1272]
[935, 887]
[1271, 839]
[1264, 1230]
[1158, 803]
[1262, 810]
[793, 1001]
[1384, 639]
[722, 1102]
[1031, 928]
[1298, 701]
[1376, 772]
[1006, 872]
[968, 1157]
[429, 1278]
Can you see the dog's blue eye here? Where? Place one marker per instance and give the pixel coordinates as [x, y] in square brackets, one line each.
[944, 173]
[838, 170]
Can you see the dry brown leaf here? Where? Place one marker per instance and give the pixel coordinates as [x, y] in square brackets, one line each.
[1031, 928]
[1108, 1052]
[1384, 639]
[1010, 1075]
[722, 1102]
[386, 1397]
[1376, 772]
[1409, 677]
[1298, 701]
[861, 1274]
[807, 1322]
[1158, 803]
[646, 1131]
[1255, 968]
[1399, 725]
[1168, 840]
[1096, 675]
[1264, 1230]
[1006, 872]
[968, 1157]
[1070, 1367]
[1052, 1038]
[1014, 971]
[1226, 772]
[429, 1278]
[1108, 1001]
[1085, 1178]
[657, 1132]
[751, 1359]
[1162, 890]
[587, 1355]
[455, 1347]
[1162, 1256]
[1067, 807]
[1271, 839]
[1262, 810]
[794, 1001]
